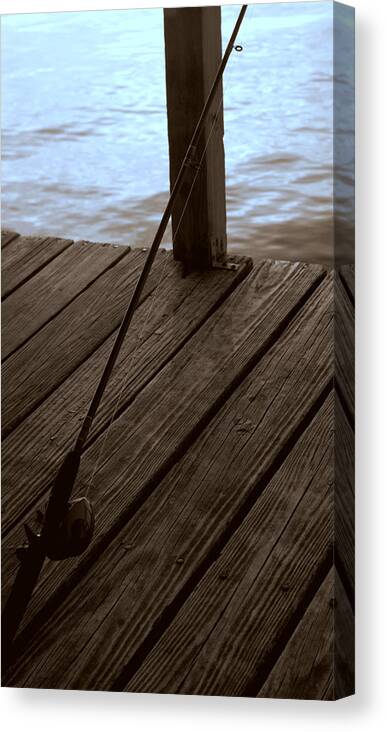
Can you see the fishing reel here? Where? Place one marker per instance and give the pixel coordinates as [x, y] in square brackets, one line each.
[74, 533]
[70, 537]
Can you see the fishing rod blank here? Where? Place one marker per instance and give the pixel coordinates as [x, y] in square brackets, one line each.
[68, 525]
[156, 242]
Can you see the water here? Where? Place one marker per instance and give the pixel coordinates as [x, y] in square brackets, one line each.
[84, 128]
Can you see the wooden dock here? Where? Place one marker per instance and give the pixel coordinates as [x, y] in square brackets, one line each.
[222, 561]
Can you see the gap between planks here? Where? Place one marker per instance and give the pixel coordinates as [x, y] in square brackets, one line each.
[310, 329]
[226, 638]
[317, 662]
[42, 297]
[347, 275]
[344, 337]
[7, 235]
[37, 369]
[33, 451]
[25, 256]
[182, 382]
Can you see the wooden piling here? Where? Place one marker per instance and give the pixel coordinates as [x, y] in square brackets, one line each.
[193, 54]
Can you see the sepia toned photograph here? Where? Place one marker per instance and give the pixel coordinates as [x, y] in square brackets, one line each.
[178, 381]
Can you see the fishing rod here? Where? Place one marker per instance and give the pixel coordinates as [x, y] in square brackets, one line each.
[68, 525]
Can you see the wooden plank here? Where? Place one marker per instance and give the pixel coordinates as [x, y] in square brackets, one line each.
[186, 514]
[305, 667]
[193, 55]
[344, 347]
[164, 322]
[227, 346]
[44, 362]
[328, 694]
[347, 273]
[344, 506]
[229, 633]
[41, 297]
[7, 235]
[344, 643]
[25, 256]
[318, 661]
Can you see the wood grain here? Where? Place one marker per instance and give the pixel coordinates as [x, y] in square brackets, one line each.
[344, 506]
[41, 297]
[306, 665]
[25, 256]
[7, 235]
[344, 643]
[45, 361]
[347, 273]
[164, 322]
[141, 575]
[235, 623]
[238, 640]
[175, 406]
[318, 661]
[192, 57]
[344, 347]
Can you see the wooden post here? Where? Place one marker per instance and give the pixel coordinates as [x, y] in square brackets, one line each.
[193, 55]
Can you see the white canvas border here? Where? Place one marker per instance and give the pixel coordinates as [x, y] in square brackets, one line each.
[47, 710]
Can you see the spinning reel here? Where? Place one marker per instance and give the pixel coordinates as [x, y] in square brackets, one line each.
[67, 524]
[71, 537]
[74, 533]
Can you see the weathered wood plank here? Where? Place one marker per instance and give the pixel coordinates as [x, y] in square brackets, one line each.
[344, 643]
[192, 57]
[25, 256]
[164, 322]
[44, 362]
[226, 638]
[227, 635]
[328, 694]
[318, 661]
[344, 347]
[344, 506]
[41, 297]
[7, 236]
[306, 664]
[178, 402]
[187, 514]
[347, 273]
